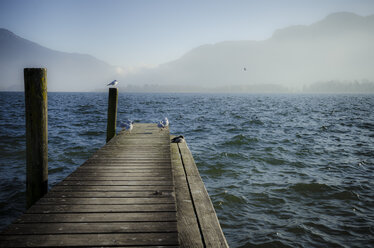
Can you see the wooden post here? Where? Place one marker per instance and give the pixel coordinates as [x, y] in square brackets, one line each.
[36, 134]
[112, 113]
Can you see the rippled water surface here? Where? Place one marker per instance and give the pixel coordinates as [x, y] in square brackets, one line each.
[281, 170]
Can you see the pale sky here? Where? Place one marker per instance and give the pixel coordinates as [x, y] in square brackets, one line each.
[152, 32]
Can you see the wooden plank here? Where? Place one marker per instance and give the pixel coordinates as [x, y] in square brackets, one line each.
[188, 228]
[151, 246]
[159, 246]
[88, 194]
[121, 170]
[112, 188]
[105, 201]
[116, 183]
[88, 174]
[70, 228]
[117, 166]
[134, 162]
[136, 208]
[96, 217]
[207, 218]
[149, 163]
[127, 146]
[129, 159]
[117, 178]
[159, 154]
[62, 240]
[133, 150]
[127, 168]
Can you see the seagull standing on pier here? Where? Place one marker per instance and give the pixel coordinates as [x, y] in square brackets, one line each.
[113, 83]
[165, 122]
[127, 125]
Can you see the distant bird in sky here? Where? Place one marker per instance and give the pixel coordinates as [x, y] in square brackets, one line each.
[178, 139]
[114, 83]
[244, 69]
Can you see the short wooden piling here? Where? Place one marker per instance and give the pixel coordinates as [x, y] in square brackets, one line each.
[112, 113]
[36, 134]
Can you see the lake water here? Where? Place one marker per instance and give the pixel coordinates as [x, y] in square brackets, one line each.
[281, 170]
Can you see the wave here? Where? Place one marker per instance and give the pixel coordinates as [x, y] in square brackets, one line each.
[307, 188]
[256, 122]
[241, 139]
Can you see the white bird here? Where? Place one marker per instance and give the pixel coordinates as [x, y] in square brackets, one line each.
[114, 83]
[178, 139]
[165, 122]
[127, 125]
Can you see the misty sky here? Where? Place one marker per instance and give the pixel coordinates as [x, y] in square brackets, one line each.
[141, 32]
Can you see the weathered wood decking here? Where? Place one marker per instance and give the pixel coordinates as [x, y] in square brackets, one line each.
[131, 192]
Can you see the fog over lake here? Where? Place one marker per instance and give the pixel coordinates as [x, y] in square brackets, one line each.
[331, 55]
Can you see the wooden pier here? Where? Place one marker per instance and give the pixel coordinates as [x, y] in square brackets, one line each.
[139, 190]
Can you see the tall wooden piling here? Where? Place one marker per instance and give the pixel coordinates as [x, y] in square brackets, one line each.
[36, 134]
[112, 113]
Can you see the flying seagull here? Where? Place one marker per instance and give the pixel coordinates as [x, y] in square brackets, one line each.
[114, 83]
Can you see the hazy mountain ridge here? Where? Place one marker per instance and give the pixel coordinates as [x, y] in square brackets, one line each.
[334, 24]
[339, 48]
[65, 71]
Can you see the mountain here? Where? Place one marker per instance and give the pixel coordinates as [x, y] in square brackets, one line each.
[339, 47]
[65, 71]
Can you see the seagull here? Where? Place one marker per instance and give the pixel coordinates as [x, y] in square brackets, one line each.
[127, 125]
[165, 122]
[179, 139]
[114, 83]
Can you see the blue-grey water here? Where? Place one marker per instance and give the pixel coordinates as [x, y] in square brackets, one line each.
[281, 170]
